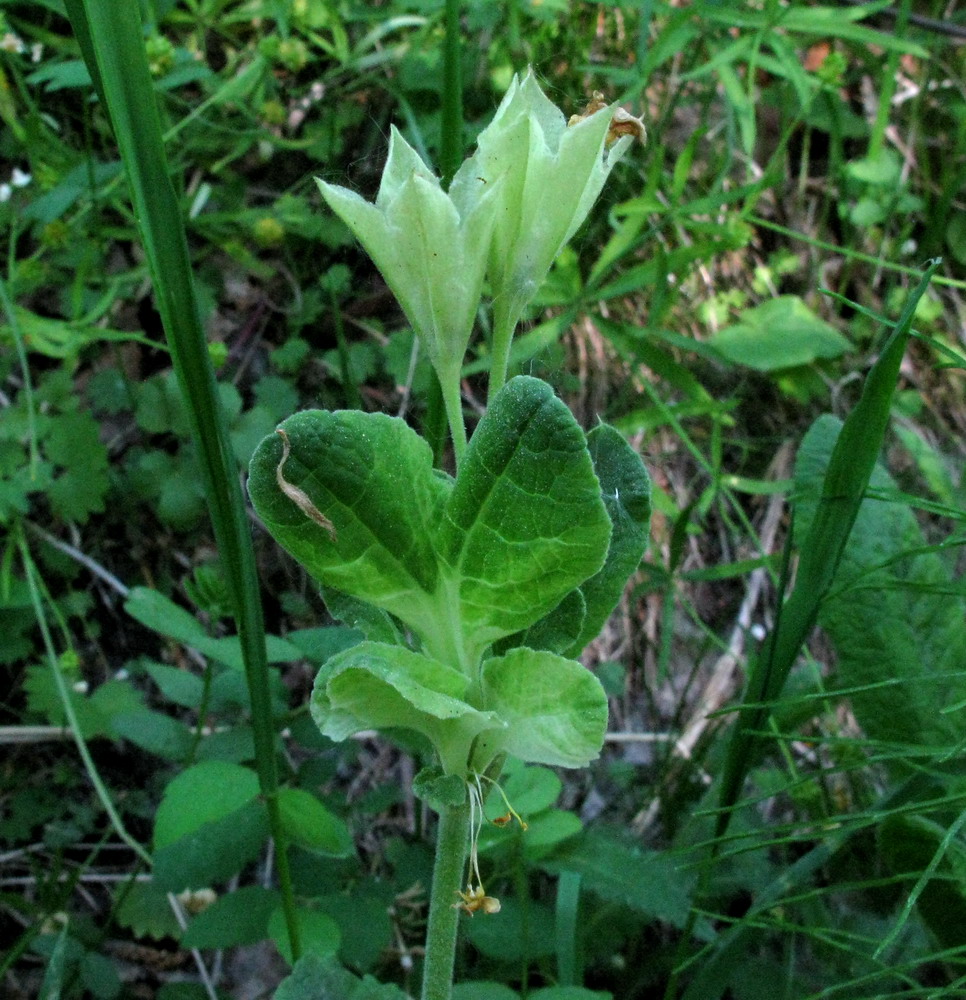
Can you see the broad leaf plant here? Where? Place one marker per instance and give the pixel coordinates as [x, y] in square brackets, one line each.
[476, 591]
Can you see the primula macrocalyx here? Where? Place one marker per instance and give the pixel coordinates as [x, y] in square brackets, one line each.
[510, 209]
[549, 175]
[431, 254]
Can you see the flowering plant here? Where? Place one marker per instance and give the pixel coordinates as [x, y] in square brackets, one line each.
[509, 211]
[473, 593]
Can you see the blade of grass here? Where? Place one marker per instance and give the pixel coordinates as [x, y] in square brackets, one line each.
[845, 483]
[38, 600]
[715, 964]
[568, 901]
[451, 140]
[111, 39]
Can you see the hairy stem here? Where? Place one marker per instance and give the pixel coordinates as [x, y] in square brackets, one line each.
[453, 401]
[443, 917]
[504, 323]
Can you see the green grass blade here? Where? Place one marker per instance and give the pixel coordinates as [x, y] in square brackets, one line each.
[111, 36]
[845, 483]
[568, 901]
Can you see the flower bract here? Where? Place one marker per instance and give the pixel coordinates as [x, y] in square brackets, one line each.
[431, 254]
[549, 175]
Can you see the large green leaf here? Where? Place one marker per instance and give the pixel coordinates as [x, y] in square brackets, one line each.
[202, 794]
[525, 523]
[371, 476]
[555, 710]
[781, 333]
[463, 564]
[626, 491]
[894, 614]
[375, 685]
[318, 979]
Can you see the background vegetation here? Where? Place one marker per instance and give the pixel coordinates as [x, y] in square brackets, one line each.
[802, 164]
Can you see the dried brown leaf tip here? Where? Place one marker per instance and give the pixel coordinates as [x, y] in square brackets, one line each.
[298, 496]
[622, 123]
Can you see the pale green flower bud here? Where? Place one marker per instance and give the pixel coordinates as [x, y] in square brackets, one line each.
[549, 175]
[431, 253]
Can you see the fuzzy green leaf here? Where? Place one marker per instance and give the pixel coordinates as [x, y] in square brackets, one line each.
[557, 632]
[373, 623]
[525, 523]
[438, 790]
[626, 491]
[897, 623]
[555, 709]
[372, 477]
[374, 685]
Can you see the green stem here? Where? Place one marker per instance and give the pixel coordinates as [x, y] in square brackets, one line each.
[449, 382]
[68, 706]
[451, 840]
[111, 40]
[504, 323]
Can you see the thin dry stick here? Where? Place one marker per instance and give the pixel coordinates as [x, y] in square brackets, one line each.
[723, 678]
[182, 920]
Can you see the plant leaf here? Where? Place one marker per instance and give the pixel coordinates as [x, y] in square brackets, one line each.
[314, 978]
[897, 625]
[214, 852]
[846, 479]
[525, 522]
[374, 623]
[556, 632]
[555, 709]
[780, 333]
[374, 685]
[651, 882]
[200, 795]
[310, 825]
[237, 918]
[626, 491]
[318, 932]
[371, 476]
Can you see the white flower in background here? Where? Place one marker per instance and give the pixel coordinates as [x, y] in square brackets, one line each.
[18, 179]
[431, 251]
[12, 43]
